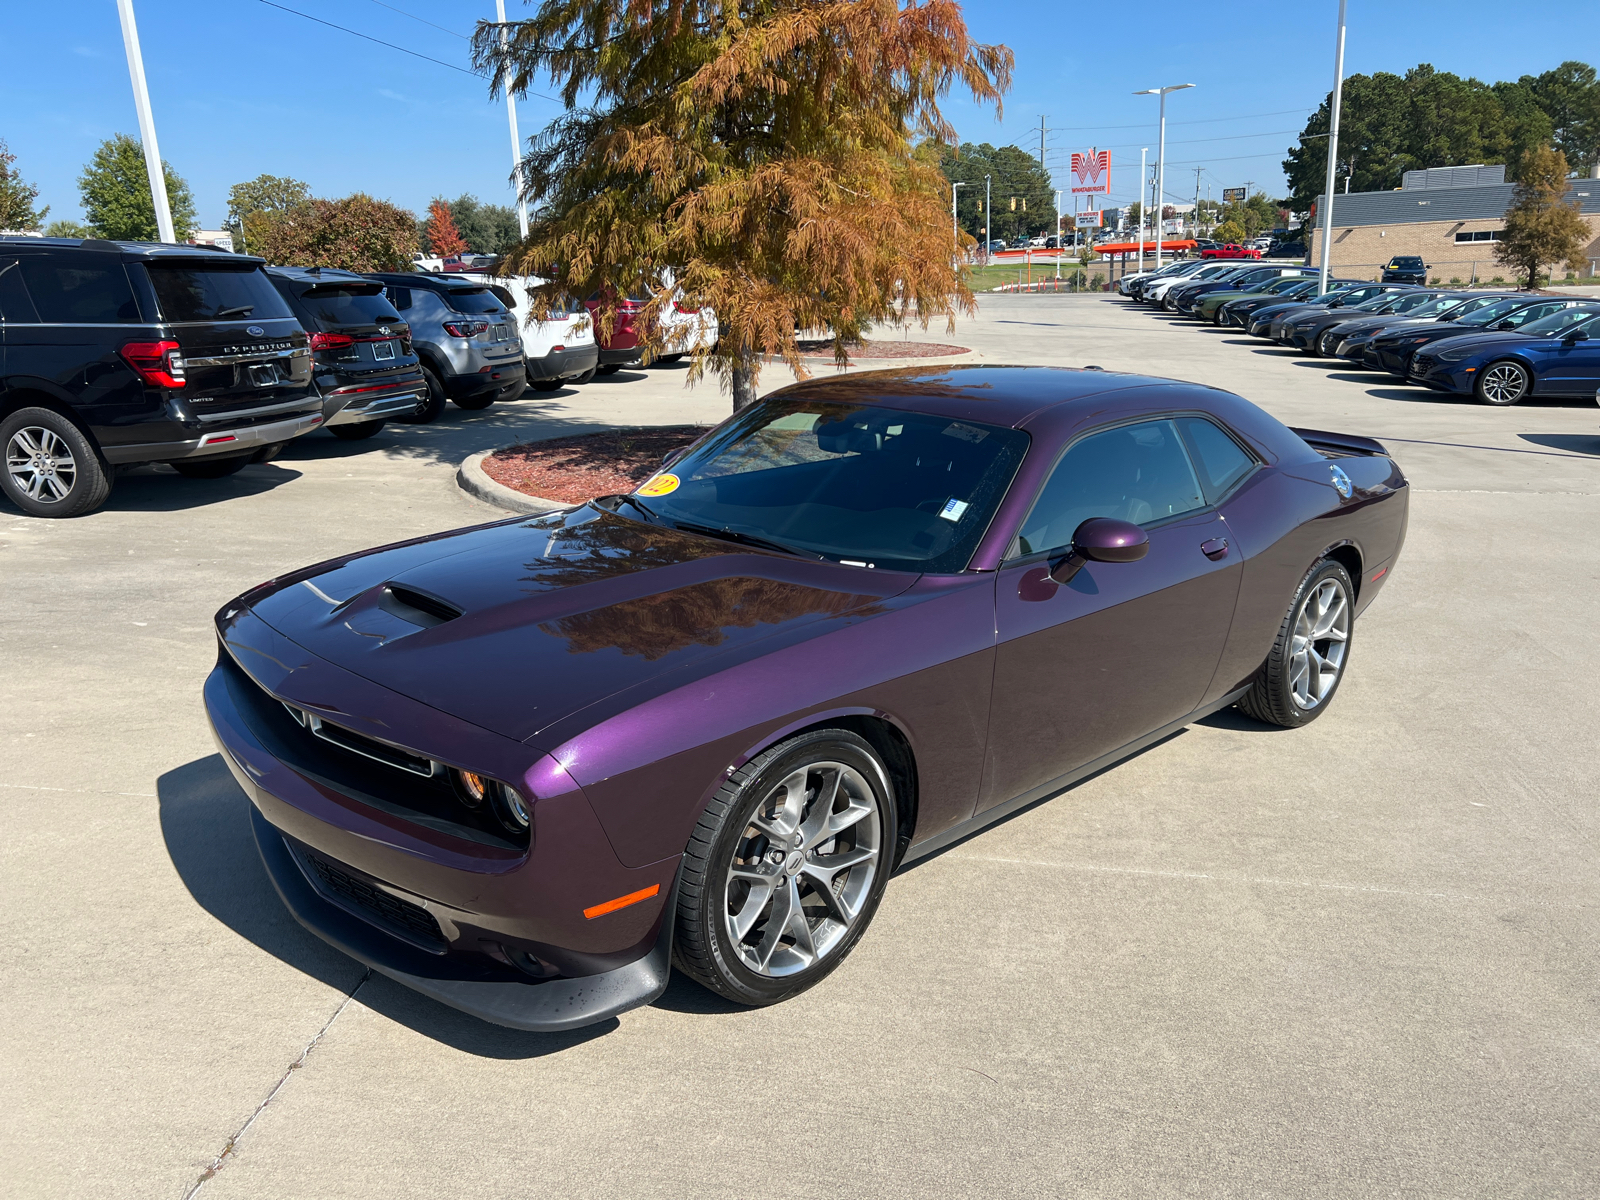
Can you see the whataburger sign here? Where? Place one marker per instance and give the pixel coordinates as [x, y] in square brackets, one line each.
[1091, 171]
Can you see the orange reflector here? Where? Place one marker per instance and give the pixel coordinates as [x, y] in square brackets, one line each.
[600, 910]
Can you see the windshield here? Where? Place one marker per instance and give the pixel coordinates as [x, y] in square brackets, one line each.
[1302, 287]
[1378, 303]
[1405, 261]
[1481, 310]
[349, 304]
[1423, 306]
[1559, 322]
[864, 485]
[215, 293]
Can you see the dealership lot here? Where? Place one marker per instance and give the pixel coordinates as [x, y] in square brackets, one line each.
[1349, 960]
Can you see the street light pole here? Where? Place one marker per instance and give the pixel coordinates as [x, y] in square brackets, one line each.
[1333, 154]
[1161, 155]
[988, 217]
[147, 123]
[955, 229]
[511, 112]
[1143, 150]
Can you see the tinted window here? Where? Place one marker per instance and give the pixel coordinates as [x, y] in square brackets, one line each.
[1137, 473]
[187, 292]
[73, 292]
[1221, 460]
[899, 490]
[472, 300]
[1534, 312]
[1559, 322]
[14, 303]
[349, 304]
[1423, 307]
[401, 297]
[1406, 262]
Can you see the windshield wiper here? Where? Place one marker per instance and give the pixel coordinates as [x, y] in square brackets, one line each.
[621, 498]
[238, 310]
[748, 539]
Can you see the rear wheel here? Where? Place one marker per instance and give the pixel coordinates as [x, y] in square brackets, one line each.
[1297, 682]
[546, 385]
[609, 369]
[786, 867]
[211, 468]
[1503, 383]
[51, 469]
[512, 391]
[355, 432]
[585, 377]
[429, 408]
[478, 402]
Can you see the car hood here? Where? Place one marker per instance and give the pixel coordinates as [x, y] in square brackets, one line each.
[1478, 341]
[516, 625]
[1373, 324]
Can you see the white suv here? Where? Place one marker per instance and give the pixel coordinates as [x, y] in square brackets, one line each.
[558, 350]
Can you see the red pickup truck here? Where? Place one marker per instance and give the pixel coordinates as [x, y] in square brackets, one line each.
[1231, 250]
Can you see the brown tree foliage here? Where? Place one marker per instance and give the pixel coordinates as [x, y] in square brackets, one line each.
[1542, 226]
[762, 151]
[443, 236]
[357, 233]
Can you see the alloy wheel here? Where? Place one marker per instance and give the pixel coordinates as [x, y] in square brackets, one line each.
[1503, 383]
[41, 464]
[803, 869]
[1321, 636]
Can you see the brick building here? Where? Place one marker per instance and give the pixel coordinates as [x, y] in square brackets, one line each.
[1451, 216]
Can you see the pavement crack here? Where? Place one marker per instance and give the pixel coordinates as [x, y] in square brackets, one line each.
[221, 1160]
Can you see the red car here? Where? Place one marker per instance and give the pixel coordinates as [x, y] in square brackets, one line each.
[1231, 250]
[622, 348]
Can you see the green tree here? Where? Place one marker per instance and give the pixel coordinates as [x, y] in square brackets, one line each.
[67, 229]
[17, 196]
[486, 228]
[1013, 173]
[357, 233]
[1255, 216]
[764, 151]
[1570, 98]
[251, 204]
[1230, 231]
[116, 194]
[1542, 226]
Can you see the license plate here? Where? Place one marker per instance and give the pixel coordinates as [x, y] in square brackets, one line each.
[382, 350]
[263, 374]
[502, 333]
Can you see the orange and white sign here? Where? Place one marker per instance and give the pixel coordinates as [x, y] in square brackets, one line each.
[1091, 172]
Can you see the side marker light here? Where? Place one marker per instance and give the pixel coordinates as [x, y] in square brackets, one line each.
[610, 906]
[1379, 575]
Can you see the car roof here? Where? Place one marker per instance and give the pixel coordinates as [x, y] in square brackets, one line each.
[149, 250]
[421, 279]
[983, 392]
[316, 275]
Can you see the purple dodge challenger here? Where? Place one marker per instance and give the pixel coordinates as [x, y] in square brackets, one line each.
[525, 767]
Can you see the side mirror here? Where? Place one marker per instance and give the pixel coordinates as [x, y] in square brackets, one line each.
[1506, 325]
[1577, 335]
[1101, 539]
[673, 456]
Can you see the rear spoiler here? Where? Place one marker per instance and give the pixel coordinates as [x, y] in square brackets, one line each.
[1344, 443]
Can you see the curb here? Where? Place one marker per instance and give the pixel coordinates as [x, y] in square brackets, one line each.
[472, 479]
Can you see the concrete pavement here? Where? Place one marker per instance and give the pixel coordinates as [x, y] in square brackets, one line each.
[1350, 960]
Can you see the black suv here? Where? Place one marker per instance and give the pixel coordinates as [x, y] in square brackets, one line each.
[361, 354]
[1405, 268]
[466, 338]
[116, 353]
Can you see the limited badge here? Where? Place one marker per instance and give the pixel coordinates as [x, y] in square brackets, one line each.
[659, 486]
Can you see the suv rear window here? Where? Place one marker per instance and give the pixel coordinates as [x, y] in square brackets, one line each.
[69, 291]
[189, 292]
[349, 303]
[472, 300]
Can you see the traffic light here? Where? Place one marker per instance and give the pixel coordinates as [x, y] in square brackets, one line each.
[1013, 204]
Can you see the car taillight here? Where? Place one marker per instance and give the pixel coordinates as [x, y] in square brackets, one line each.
[465, 329]
[159, 364]
[685, 308]
[331, 341]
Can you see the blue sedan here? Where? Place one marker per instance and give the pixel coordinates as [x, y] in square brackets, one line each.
[1556, 356]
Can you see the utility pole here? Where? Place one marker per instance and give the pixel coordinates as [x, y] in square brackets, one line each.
[147, 123]
[1197, 173]
[511, 112]
[1333, 153]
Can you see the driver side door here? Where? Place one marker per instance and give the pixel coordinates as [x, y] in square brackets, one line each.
[1084, 668]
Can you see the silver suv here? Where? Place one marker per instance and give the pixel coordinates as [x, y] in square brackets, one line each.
[467, 340]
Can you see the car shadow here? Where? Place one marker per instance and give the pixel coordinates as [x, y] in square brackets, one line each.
[158, 488]
[205, 822]
[1232, 718]
[1574, 442]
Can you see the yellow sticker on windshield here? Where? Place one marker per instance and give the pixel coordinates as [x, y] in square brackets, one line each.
[659, 486]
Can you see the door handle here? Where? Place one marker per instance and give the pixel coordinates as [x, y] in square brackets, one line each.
[1216, 548]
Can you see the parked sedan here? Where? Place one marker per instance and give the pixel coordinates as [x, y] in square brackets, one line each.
[1393, 349]
[1158, 291]
[1210, 301]
[523, 768]
[1349, 339]
[1273, 321]
[1305, 332]
[1248, 276]
[1556, 356]
[1237, 310]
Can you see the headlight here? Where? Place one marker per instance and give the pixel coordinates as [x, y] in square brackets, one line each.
[1455, 355]
[503, 800]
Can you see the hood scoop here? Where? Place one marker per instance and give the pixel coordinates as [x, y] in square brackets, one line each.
[419, 608]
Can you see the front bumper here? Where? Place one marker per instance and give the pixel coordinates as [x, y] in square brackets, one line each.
[216, 442]
[625, 357]
[1396, 362]
[566, 362]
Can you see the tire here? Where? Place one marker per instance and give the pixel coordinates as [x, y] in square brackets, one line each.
[428, 411]
[757, 813]
[585, 377]
[608, 369]
[670, 358]
[359, 431]
[1502, 383]
[1320, 347]
[478, 402]
[51, 468]
[211, 468]
[1293, 689]
[546, 385]
[510, 392]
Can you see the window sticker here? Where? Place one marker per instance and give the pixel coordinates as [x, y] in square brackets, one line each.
[953, 509]
[965, 432]
[659, 486]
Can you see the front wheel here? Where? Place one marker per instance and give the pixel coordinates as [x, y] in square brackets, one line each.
[51, 470]
[478, 402]
[786, 867]
[1502, 384]
[1307, 662]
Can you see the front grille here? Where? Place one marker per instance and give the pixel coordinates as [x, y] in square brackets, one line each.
[1421, 364]
[383, 907]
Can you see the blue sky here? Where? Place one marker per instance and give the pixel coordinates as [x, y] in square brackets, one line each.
[241, 88]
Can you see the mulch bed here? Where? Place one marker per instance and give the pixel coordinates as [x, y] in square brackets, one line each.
[574, 469]
[823, 348]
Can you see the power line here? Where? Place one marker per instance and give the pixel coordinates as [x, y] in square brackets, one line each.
[464, 37]
[1200, 121]
[367, 37]
[1232, 137]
